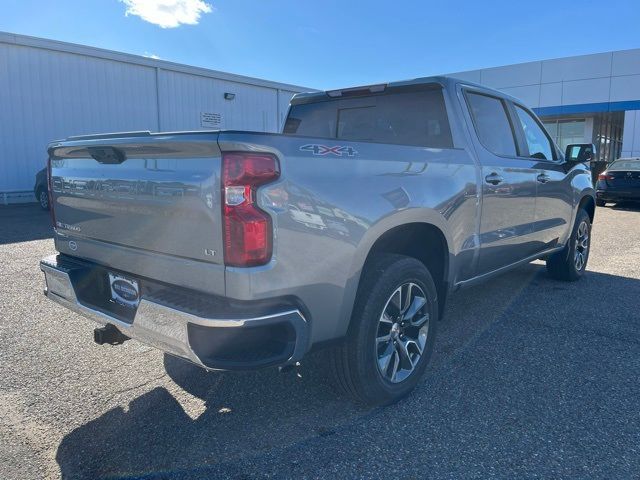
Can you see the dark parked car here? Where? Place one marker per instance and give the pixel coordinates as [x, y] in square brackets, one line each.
[40, 189]
[619, 182]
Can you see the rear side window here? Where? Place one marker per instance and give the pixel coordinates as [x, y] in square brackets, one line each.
[492, 124]
[411, 118]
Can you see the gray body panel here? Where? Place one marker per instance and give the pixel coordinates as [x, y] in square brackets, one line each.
[349, 203]
[327, 211]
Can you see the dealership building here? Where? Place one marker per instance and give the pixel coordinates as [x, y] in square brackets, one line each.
[51, 90]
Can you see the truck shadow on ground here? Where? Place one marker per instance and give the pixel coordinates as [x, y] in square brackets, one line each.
[245, 415]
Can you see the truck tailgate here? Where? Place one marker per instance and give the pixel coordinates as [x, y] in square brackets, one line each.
[158, 194]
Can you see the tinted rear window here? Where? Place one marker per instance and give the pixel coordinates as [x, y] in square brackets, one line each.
[411, 118]
[624, 164]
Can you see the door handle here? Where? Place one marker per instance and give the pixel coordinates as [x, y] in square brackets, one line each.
[543, 178]
[493, 179]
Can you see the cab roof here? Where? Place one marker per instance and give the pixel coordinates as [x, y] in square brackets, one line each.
[441, 81]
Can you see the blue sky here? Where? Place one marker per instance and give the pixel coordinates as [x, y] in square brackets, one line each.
[329, 44]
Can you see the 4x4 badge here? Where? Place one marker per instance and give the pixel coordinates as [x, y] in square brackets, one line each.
[321, 150]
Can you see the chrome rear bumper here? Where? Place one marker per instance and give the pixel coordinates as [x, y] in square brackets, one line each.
[199, 338]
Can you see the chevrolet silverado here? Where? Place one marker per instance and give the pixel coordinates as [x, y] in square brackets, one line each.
[348, 230]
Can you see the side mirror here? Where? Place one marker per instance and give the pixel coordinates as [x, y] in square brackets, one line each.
[580, 152]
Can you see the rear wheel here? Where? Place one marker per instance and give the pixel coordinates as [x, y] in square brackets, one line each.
[392, 332]
[570, 263]
[43, 198]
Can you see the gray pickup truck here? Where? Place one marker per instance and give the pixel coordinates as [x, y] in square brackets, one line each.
[239, 250]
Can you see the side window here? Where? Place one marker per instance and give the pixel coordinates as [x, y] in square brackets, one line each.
[537, 140]
[492, 124]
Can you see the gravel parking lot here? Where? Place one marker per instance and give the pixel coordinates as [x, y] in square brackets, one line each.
[531, 377]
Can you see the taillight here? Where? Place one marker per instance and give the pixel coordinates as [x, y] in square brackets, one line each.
[50, 193]
[248, 234]
[605, 176]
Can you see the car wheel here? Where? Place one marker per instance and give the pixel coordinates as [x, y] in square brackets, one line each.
[570, 263]
[392, 332]
[600, 203]
[43, 198]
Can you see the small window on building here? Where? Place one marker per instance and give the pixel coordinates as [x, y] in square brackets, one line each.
[492, 124]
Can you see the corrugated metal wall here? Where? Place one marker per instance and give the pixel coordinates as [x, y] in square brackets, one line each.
[47, 94]
[284, 98]
[182, 95]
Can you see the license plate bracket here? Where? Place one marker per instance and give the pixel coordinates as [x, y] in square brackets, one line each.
[124, 291]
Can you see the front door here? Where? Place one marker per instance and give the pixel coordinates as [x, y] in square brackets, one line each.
[554, 202]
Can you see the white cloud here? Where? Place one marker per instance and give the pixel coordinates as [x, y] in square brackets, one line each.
[151, 55]
[168, 13]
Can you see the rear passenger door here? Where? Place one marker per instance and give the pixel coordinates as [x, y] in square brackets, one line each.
[508, 184]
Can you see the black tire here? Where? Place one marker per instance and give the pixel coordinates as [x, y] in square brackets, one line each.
[564, 265]
[355, 363]
[601, 203]
[43, 198]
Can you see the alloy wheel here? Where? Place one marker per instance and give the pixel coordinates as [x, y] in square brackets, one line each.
[402, 332]
[582, 246]
[44, 199]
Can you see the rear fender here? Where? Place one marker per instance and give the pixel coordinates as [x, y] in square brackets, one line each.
[374, 233]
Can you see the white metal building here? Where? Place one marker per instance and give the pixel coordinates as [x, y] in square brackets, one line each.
[588, 98]
[50, 90]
